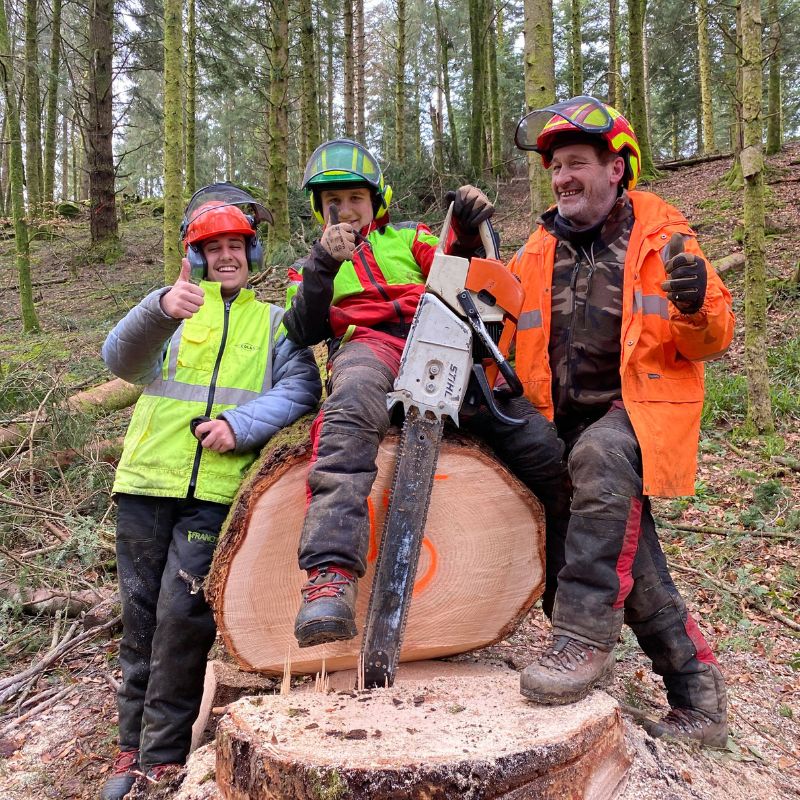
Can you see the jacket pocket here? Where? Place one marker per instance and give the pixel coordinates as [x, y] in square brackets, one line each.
[195, 351]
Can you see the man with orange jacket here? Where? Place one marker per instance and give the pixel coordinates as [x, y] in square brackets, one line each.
[621, 310]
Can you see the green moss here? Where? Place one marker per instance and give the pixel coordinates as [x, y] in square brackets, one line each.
[329, 785]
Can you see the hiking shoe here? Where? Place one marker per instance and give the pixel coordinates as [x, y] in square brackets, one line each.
[327, 613]
[567, 671]
[124, 772]
[690, 724]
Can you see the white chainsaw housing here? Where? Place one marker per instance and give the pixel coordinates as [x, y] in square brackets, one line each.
[436, 362]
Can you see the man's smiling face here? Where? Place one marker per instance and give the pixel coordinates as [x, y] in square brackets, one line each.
[585, 183]
[226, 255]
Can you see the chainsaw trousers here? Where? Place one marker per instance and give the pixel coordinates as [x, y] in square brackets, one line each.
[164, 550]
[613, 567]
[348, 432]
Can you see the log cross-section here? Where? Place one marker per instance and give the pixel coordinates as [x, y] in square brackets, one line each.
[480, 570]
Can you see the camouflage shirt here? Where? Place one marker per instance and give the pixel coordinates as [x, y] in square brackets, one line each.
[586, 318]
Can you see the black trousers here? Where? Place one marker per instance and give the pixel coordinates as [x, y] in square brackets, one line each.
[164, 551]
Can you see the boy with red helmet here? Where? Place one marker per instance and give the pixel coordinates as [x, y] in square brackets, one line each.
[621, 310]
[204, 413]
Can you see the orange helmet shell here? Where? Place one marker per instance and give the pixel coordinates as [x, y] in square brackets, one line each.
[620, 138]
[213, 219]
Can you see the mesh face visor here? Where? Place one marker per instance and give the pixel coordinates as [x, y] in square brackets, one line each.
[581, 113]
[219, 195]
[340, 161]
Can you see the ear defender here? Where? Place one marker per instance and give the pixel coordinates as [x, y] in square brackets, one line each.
[197, 261]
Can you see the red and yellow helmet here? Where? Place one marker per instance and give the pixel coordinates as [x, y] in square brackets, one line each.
[581, 116]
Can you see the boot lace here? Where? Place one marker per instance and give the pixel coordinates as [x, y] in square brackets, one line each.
[126, 761]
[332, 583]
[567, 654]
[686, 720]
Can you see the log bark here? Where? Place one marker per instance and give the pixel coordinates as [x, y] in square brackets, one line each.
[468, 733]
[49, 601]
[480, 570]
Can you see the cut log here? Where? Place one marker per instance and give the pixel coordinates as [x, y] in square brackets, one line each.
[223, 684]
[733, 261]
[466, 734]
[480, 570]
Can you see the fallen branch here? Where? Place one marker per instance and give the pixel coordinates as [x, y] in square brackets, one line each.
[54, 282]
[11, 684]
[733, 590]
[774, 742]
[730, 262]
[689, 162]
[49, 601]
[37, 709]
[764, 534]
[31, 507]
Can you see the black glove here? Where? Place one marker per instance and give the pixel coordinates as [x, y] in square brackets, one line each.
[471, 207]
[688, 278]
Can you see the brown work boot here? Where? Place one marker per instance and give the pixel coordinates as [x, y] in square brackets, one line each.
[328, 610]
[567, 671]
[124, 772]
[688, 723]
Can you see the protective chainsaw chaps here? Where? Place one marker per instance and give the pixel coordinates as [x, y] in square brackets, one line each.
[452, 362]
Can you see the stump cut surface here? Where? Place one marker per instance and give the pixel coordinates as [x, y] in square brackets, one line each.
[469, 734]
[481, 567]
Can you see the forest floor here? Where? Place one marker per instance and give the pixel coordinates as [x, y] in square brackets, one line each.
[734, 547]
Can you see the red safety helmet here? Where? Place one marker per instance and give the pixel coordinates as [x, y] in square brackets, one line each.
[212, 219]
[580, 117]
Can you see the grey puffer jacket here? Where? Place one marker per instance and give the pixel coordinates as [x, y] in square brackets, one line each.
[134, 351]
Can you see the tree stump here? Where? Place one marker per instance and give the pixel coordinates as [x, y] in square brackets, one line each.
[447, 731]
[480, 570]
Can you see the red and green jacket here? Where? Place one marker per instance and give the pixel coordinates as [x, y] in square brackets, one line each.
[378, 290]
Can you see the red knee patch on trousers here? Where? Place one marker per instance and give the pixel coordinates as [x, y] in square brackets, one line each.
[630, 544]
[693, 631]
[316, 427]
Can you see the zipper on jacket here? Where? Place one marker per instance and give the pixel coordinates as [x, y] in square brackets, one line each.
[384, 294]
[212, 387]
[573, 283]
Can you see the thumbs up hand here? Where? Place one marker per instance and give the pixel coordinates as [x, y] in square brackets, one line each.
[687, 278]
[184, 298]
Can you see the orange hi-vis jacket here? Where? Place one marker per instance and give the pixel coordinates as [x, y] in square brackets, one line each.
[662, 350]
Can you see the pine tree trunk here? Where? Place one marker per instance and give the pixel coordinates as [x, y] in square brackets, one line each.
[65, 153]
[310, 100]
[576, 53]
[704, 71]
[361, 66]
[614, 96]
[477, 30]
[279, 232]
[638, 85]
[496, 152]
[329, 77]
[51, 123]
[540, 82]
[443, 38]
[191, 98]
[400, 84]
[103, 209]
[774, 104]
[349, 71]
[33, 133]
[4, 146]
[30, 321]
[759, 412]
[173, 116]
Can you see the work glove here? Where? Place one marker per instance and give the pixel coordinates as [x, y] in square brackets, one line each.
[339, 241]
[688, 278]
[471, 207]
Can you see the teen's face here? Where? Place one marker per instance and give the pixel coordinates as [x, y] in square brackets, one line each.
[227, 262]
[355, 205]
[585, 187]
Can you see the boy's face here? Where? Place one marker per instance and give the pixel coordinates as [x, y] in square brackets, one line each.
[226, 255]
[355, 205]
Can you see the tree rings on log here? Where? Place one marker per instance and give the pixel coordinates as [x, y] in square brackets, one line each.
[481, 567]
[469, 735]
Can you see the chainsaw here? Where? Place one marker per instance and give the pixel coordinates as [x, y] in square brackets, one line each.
[454, 360]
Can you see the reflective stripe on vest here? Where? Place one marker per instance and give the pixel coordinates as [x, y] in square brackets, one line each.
[650, 304]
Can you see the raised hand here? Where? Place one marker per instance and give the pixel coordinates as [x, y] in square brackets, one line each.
[184, 298]
[339, 241]
[688, 277]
